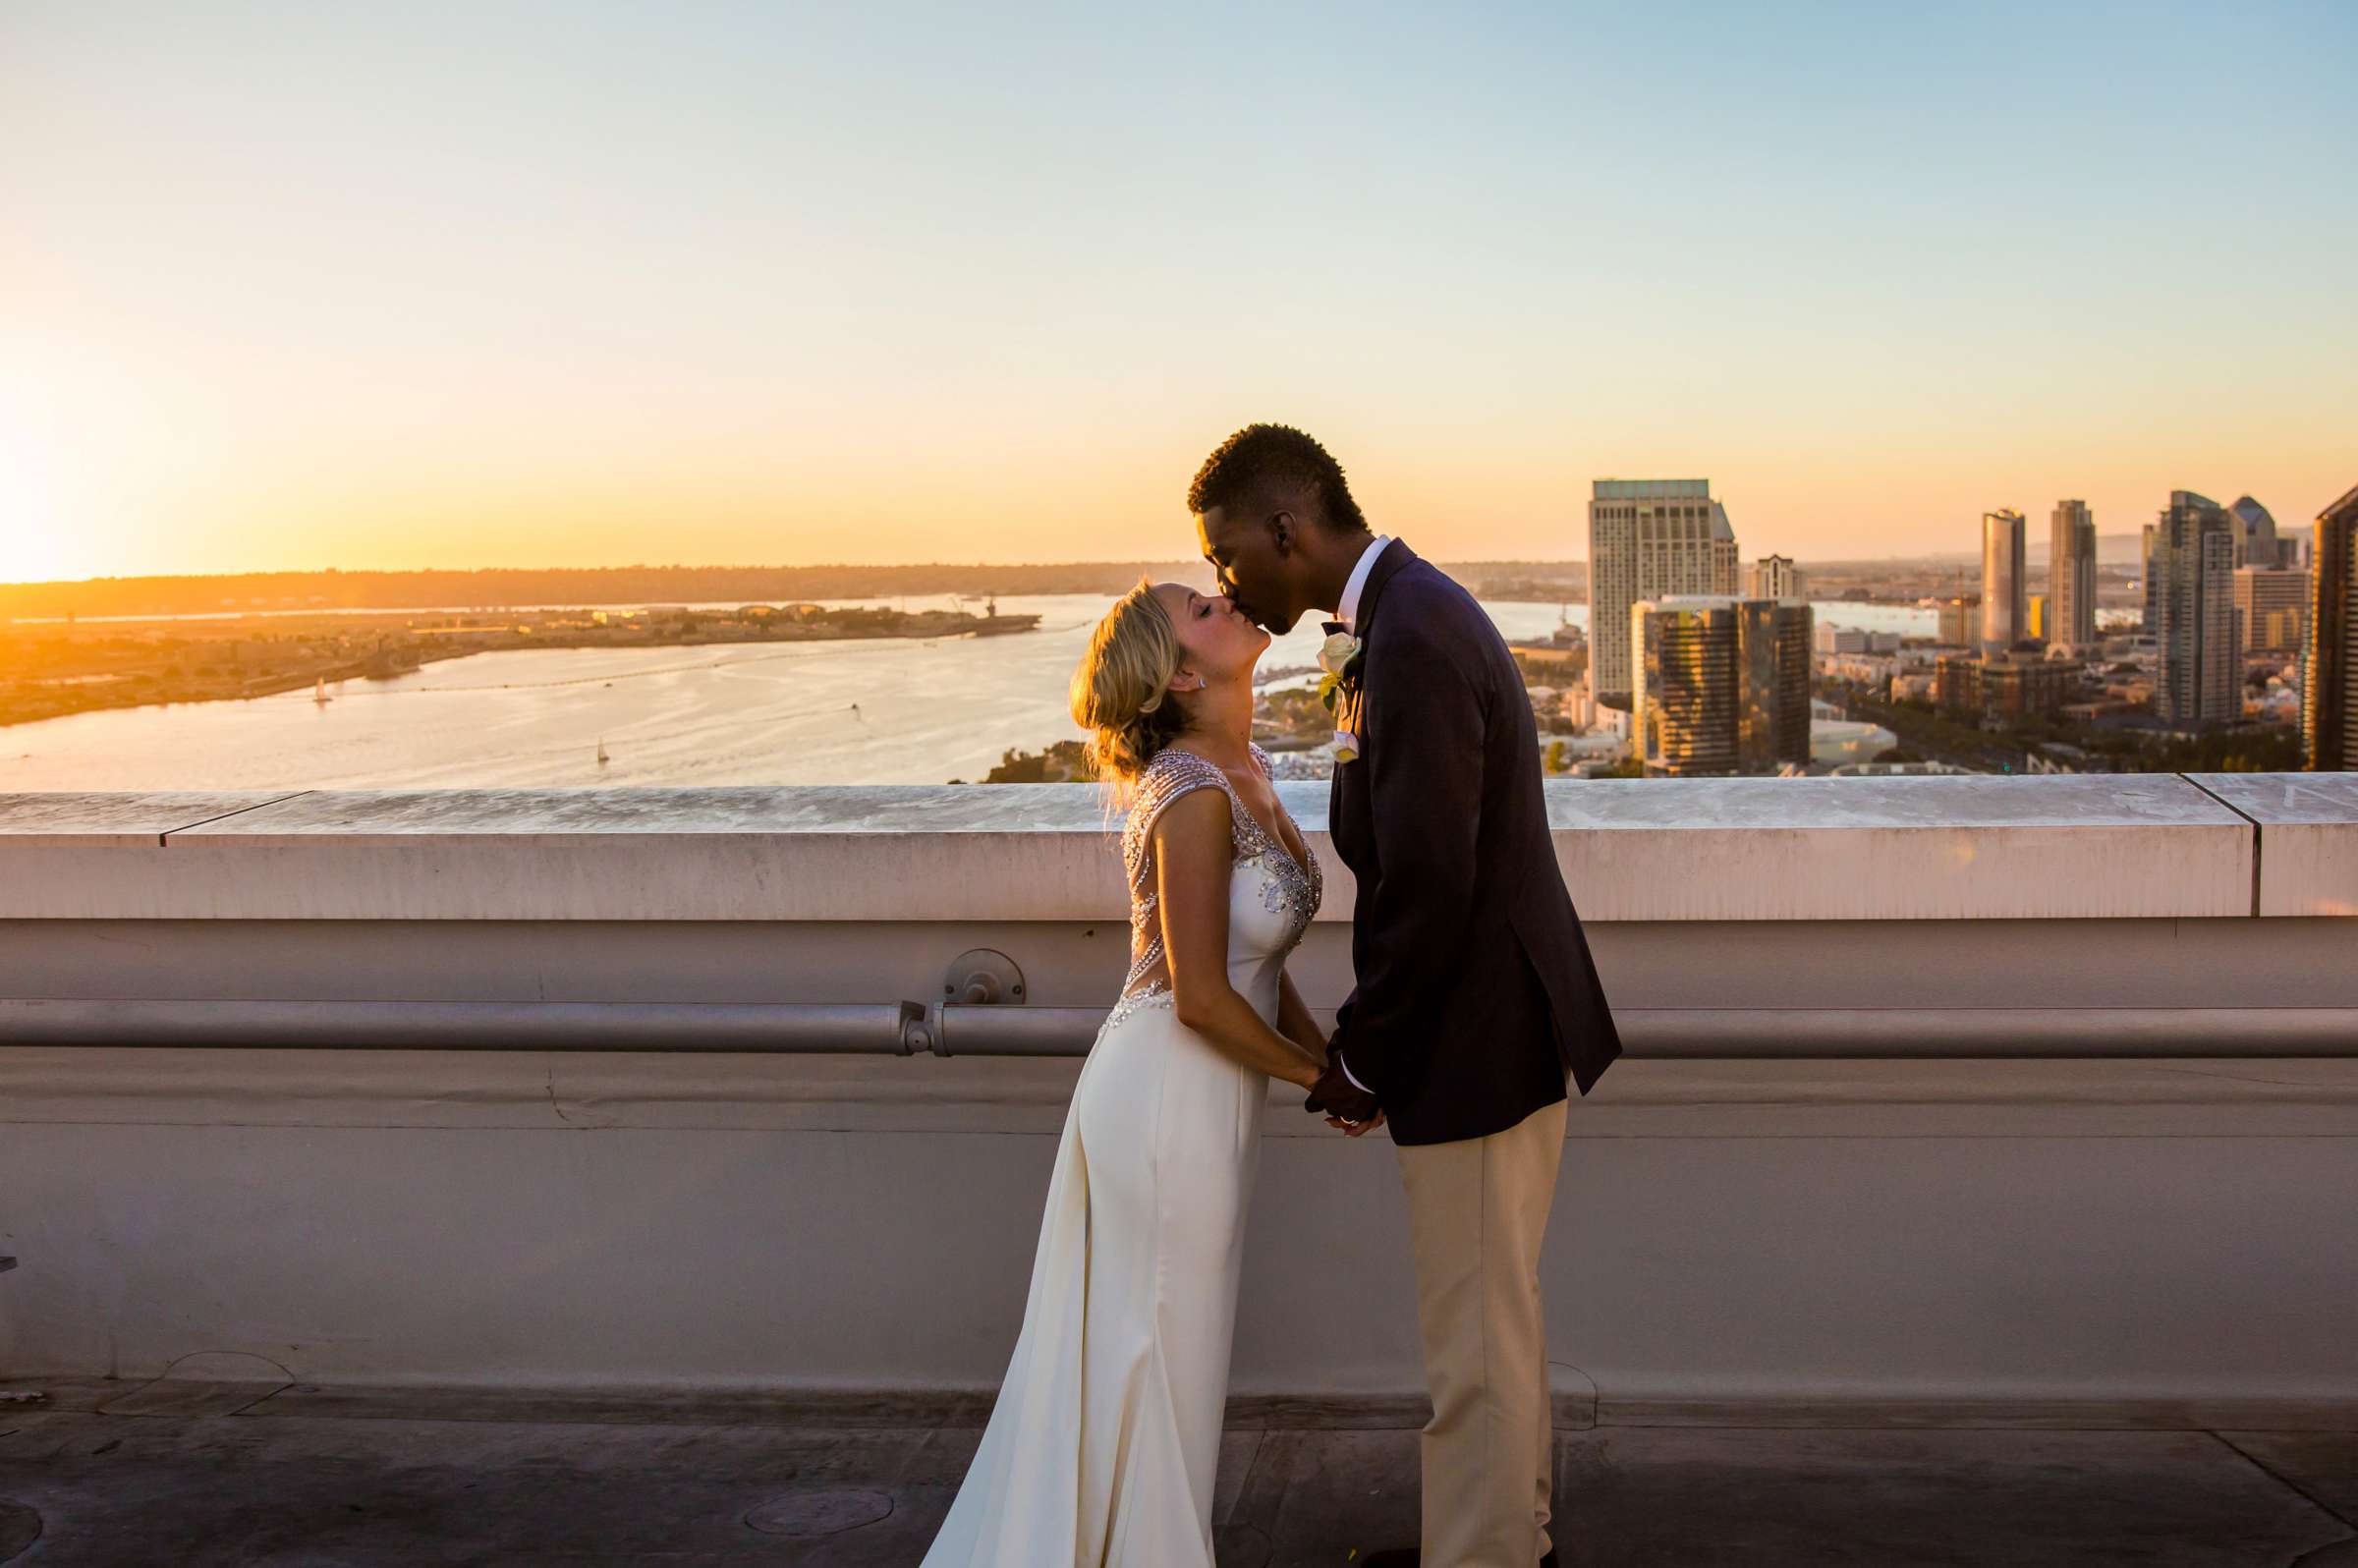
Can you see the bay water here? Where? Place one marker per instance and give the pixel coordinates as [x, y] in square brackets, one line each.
[886, 711]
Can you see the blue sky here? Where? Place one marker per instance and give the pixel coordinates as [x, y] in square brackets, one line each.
[314, 285]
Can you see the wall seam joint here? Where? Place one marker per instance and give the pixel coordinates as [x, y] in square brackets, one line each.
[2257, 836]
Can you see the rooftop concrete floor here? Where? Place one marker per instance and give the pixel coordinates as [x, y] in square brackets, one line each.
[189, 1475]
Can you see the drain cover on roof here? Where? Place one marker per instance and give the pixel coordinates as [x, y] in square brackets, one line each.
[827, 1512]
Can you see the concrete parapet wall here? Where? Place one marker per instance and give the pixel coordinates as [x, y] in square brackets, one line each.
[2129, 1233]
[2134, 846]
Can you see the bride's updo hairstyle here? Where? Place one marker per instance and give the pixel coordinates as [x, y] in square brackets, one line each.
[1122, 689]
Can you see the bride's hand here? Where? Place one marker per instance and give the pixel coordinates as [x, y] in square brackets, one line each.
[1361, 1130]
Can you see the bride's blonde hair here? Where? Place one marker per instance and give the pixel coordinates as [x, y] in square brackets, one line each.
[1122, 687]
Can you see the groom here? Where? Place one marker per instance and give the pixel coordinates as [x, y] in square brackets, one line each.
[1475, 997]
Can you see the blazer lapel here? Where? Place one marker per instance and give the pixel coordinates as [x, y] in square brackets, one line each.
[1350, 711]
[1353, 710]
[1396, 558]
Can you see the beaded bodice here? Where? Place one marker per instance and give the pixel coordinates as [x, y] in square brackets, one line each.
[1284, 887]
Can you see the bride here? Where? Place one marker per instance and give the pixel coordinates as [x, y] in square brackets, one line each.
[1101, 1447]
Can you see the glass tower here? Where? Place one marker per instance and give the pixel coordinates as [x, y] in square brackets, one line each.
[1722, 683]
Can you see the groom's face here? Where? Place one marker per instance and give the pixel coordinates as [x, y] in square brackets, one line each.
[1250, 567]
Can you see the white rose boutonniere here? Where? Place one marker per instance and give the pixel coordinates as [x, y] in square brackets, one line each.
[1338, 657]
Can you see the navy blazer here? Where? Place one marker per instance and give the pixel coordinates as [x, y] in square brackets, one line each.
[1476, 994]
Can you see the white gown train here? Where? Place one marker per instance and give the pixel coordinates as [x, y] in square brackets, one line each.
[1103, 1447]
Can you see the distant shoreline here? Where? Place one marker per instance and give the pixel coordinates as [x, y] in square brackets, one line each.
[254, 593]
[509, 587]
[130, 664]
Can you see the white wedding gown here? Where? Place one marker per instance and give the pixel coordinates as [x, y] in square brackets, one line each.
[1101, 1447]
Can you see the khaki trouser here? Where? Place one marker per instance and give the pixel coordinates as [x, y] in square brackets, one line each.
[1476, 1213]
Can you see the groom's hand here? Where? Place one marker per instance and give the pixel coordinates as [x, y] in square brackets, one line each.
[1339, 1098]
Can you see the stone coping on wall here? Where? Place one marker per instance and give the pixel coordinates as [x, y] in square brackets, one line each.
[2308, 836]
[2159, 846]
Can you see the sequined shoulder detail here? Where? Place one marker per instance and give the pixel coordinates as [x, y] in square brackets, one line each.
[1291, 886]
[1171, 774]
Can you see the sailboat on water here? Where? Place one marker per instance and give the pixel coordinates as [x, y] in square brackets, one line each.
[319, 691]
[602, 757]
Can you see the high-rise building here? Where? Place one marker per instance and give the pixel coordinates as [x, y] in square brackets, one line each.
[1721, 684]
[2330, 687]
[2072, 575]
[2005, 589]
[2271, 603]
[1960, 621]
[2256, 540]
[1648, 538]
[2190, 611]
[1775, 577]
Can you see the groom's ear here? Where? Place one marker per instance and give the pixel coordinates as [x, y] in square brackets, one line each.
[1284, 531]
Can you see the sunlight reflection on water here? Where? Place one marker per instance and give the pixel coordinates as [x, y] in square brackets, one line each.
[882, 711]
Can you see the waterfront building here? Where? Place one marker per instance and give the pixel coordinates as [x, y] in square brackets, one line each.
[2270, 604]
[1721, 684]
[2255, 539]
[2072, 575]
[1647, 540]
[2329, 690]
[1960, 621]
[1776, 576]
[2190, 611]
[2005, 614]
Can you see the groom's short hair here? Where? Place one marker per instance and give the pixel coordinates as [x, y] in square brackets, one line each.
[1263, 457]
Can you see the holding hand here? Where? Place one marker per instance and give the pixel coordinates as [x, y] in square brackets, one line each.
[1345, 1103]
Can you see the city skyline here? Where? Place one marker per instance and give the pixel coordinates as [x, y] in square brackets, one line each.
[536, 287]
[1941, 544]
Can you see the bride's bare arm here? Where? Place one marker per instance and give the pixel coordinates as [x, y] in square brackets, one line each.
[1193, 848]
[1296, 1023]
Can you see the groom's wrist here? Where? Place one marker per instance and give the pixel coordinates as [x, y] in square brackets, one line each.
[1352, 1077]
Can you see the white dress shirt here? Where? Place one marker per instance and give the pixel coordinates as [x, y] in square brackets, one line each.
[1356, 583]
[1347, 612]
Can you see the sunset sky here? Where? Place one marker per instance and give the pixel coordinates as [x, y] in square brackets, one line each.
[397, 286]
